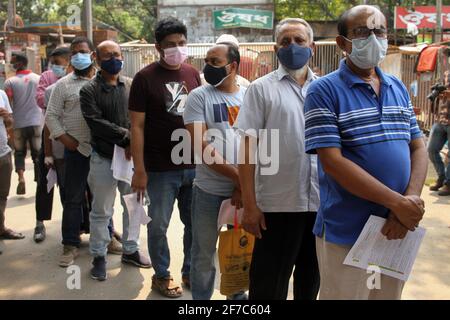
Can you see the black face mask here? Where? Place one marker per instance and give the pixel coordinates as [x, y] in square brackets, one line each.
[215, 76]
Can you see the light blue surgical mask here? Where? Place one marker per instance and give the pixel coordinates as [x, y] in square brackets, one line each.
[368, 53]
[81, 61]
[59, 71]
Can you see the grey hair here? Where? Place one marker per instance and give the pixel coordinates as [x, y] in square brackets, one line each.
[294, 21]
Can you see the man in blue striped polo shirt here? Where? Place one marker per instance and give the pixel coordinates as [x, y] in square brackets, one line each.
[373, 160]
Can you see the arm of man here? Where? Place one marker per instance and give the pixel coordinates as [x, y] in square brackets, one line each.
[250, 120]
[7, 118]
[9, 92]
[54, 115]
[99, 126]
[253, 220]
[393, 229]
[139, 181]
[40, 91]
[361, 184]
[138, 102]
[214, 160]
[6, 114]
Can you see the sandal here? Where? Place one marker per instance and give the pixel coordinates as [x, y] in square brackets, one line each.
[166, 287]
[8, 234]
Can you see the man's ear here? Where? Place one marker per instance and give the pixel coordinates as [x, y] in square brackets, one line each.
[275, 48]
[340, 41]
[313, 48]
[159, 49]
[235, 67]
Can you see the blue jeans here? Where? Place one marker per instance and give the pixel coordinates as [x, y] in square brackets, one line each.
[163, 189]
[76, 170]
[103, 187]
[438, 136]
[205, 212]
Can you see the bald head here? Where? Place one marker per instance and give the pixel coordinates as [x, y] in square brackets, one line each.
[362, 16]
[108, 49]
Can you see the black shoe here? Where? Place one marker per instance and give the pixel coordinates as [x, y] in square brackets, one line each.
[98, 272]
[39, 233]
[439, 184]
[137, 259]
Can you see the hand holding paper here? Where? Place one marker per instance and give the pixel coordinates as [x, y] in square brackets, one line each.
[122, 167]
[137, 216]
[395, 258]
[52, 179]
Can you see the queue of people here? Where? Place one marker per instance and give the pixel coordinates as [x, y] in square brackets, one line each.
[306, 214]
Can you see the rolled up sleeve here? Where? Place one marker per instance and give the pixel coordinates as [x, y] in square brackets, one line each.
[251, 118]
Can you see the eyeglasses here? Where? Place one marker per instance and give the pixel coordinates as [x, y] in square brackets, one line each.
[364, 32]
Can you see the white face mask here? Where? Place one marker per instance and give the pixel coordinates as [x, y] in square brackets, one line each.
[368, 53]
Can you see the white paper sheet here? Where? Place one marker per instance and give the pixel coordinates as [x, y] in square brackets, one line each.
[394, 258]
[121, 167]
[136, 215]
[52, 179]
[226, 214]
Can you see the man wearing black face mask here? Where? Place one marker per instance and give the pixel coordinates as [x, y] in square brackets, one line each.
[280, 208]
[104, 103]
[213, 107]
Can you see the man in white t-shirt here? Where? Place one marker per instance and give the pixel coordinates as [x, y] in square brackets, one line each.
[28, 117]
[214, 106]
[6, 123]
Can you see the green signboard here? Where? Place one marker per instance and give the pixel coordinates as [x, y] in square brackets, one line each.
[243, 18]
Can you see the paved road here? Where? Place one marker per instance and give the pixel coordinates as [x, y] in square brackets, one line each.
[30, 271]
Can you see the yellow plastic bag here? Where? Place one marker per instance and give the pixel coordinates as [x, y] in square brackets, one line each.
[235, 256]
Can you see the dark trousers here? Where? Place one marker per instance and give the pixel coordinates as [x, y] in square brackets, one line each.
[27, 136]
[44, 199]
[5, 183]
[288, 242]
[438, 137]
[76, 202]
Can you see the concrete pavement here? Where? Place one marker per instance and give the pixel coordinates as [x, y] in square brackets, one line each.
[30, 271]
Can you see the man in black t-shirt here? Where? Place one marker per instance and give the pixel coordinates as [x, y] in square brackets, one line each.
[157, 99]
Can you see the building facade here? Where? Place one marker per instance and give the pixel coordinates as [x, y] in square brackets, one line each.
[247, 20]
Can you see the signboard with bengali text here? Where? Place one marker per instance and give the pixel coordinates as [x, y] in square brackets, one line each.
[243, 18]
[422, 16]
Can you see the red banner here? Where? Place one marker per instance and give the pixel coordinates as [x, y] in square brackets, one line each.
[422, 17]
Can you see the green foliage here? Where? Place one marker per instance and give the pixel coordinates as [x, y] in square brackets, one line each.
[326, 10]
[134, 19]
